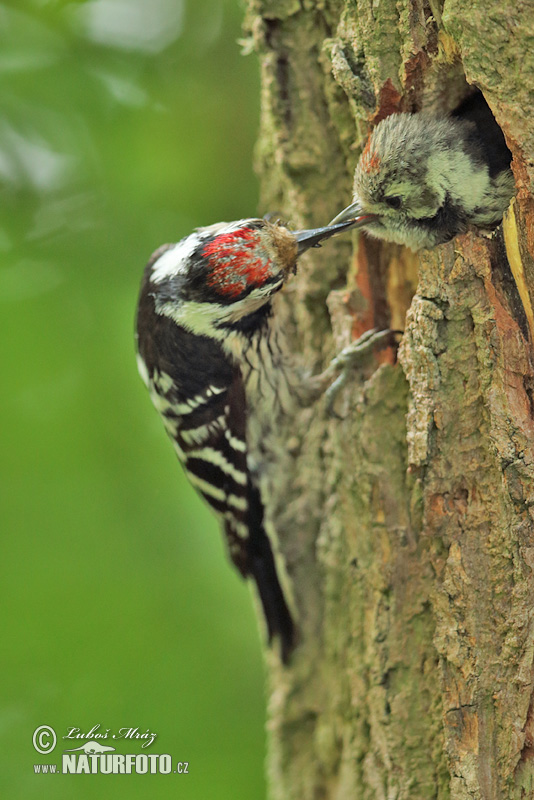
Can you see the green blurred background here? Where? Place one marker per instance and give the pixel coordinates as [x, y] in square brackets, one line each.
[124, 124]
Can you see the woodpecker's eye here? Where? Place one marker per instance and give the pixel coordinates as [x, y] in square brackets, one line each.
[394, 201]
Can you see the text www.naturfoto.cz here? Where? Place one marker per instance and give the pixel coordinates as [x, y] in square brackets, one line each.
[114, 764]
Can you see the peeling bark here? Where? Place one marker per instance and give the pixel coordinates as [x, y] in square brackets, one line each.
[407, 526]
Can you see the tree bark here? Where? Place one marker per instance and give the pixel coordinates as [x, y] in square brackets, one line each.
[406, 525]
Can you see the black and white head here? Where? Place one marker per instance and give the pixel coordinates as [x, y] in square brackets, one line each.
[425, 179]
[224, 273]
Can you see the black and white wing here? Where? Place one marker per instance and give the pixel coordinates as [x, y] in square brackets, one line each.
[200, 396]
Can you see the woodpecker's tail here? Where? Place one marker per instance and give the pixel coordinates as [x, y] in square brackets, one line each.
[261, 567]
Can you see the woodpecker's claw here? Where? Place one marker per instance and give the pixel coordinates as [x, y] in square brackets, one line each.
[352, 356]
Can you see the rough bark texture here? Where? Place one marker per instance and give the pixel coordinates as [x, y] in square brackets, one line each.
[407, 525]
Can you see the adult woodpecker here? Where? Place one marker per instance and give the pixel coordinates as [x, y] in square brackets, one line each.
[217, 366]
[423, 180]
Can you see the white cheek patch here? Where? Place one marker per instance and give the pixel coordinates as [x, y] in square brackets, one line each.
[174, 260]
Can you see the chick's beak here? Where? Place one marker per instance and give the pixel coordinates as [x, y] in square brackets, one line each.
[314, 237]
[354, 212]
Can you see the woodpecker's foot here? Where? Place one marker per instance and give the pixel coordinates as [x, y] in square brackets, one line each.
[352, 356]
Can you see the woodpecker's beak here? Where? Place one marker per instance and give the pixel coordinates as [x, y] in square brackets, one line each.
[315, 236]
[353, 212]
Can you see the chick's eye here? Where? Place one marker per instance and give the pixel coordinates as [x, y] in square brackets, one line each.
[393, 202]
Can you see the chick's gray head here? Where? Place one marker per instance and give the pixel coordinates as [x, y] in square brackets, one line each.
[425, 179]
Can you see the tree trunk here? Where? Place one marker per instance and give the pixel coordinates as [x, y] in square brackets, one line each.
[406, 525]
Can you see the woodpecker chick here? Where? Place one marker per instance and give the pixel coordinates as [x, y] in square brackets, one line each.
[424, 180]
[215, 361]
